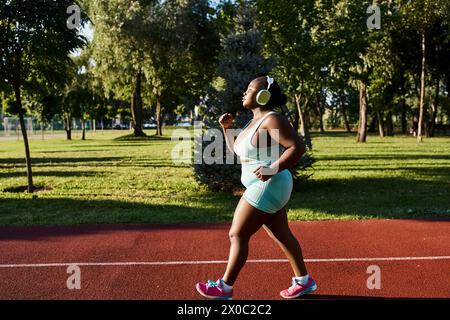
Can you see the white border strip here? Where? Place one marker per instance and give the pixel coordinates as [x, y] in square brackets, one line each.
[171, 263]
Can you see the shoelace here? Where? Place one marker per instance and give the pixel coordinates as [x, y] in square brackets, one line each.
[212, 284]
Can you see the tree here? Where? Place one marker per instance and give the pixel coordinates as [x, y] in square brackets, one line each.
[45, 107]
[240, 61]
[348, 36]
[384, 64]
[119, 50]
[80, 99]
[183, 48]
[34, 43]
[164, 48]
[422, 15]
[293, 38]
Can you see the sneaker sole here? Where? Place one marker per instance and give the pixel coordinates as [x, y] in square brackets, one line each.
[212, 297]
[309, 290]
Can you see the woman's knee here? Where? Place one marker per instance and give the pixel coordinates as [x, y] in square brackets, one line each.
[237, 236]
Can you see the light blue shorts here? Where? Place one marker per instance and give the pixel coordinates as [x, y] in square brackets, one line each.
[269, 196]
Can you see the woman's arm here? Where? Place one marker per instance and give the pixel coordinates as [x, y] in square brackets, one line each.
[229, 138]
[281, 131]
[226, 121]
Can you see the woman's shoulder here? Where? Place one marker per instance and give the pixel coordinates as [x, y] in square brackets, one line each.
[274, 120]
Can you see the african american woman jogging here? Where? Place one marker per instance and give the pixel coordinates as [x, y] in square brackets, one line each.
[267, 147]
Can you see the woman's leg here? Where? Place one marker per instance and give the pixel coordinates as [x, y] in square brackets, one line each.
[278, 229]
[246, 221]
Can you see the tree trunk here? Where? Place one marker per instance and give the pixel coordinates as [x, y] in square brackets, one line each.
[373, 124]
[158, 118]
[30, 187]
[320, 113]
[380, 124]
[389, 125]
[307, 116]
[344, 113]
[422, 91]
[362, 126]
[403, 117]
[136, 106]
[68, 127]
[296, 119]
[322, 129]
[83, 128]
[304, 130]
[434, 106]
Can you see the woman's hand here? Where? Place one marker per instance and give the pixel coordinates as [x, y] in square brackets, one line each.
[264, 173]
[226, 120]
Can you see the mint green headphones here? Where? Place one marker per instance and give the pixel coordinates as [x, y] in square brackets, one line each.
[263, 96]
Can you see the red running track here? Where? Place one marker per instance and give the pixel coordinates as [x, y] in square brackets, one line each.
[165, 262]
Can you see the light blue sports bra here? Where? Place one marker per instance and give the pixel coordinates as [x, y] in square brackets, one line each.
[246, 151]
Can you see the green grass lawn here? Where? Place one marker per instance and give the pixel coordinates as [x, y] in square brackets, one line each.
[105, 180]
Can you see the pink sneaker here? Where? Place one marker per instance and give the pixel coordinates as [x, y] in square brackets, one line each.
[213, 290]
[297, 290]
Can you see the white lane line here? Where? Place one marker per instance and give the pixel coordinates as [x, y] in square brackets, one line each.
[169, 263]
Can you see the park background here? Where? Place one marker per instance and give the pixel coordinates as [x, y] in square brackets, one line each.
[367, 82]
